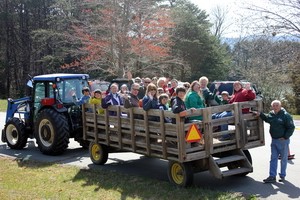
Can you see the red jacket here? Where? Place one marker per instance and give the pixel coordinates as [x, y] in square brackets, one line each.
[242, 95]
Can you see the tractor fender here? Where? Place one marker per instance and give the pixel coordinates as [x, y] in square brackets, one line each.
[54, 107]
[60, 110]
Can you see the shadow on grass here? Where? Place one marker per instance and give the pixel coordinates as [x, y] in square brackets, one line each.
[132, 181]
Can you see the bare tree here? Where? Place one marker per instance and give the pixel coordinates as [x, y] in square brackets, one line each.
[281, 18]
[219, 20]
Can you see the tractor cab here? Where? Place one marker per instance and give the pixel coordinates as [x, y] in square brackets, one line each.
[57, 90]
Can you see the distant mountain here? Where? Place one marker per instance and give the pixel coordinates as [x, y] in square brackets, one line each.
[232, 41]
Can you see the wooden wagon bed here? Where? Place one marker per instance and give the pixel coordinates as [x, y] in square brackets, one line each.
[167, 140]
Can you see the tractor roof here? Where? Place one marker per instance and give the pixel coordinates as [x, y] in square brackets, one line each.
[52, 77]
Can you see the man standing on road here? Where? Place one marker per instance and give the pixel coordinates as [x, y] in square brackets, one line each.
[281, 129]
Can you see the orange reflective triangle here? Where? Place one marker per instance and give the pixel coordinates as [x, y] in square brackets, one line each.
[193, 135]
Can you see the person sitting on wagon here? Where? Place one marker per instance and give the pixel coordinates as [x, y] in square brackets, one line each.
[224, 99]
[97, 100]
[163, 101]
[208, 96]
[178, 105]
[131, 99]
[240, 94]
[113, 98]
[84, 99]
[150, 100]
[194, 100]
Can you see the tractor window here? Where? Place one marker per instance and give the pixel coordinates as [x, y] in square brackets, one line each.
[70, 87]
[39, 94]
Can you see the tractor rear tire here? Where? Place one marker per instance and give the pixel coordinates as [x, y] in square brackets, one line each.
[15, 134]
[52, 132]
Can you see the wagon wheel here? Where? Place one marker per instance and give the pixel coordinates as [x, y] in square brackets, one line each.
[180, 174]
[98, 153]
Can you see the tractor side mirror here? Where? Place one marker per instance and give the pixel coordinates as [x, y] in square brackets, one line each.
[29, 83]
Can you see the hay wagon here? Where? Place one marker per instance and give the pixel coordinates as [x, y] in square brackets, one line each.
[188, 147]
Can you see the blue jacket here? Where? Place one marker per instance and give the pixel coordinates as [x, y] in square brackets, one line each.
[110, 100]
[84, 99]
[150, 103]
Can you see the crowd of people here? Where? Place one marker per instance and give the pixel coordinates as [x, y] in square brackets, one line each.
[162, 93]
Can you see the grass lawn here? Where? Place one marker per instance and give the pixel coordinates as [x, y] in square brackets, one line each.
[34, 180]
[3, 105]
[296, 117]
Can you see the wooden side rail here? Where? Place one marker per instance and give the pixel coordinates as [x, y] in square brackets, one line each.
[146, 132]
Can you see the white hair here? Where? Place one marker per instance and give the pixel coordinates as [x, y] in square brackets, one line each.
[276, 102]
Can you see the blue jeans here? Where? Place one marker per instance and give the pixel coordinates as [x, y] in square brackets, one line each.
[279, 147]
[223, 127]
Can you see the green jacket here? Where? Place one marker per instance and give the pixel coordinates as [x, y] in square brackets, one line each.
[281, 124]
[220, 100]
[193, 100]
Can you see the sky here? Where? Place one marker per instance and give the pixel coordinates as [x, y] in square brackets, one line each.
[236, 12]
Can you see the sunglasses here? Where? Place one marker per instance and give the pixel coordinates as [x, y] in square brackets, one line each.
[147, 82]
[135, 89]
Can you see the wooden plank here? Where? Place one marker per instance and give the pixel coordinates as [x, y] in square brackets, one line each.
[107, 126]
[181, 138]
[224, 149]
[196, 156]
[214, 168]
[84, 130]
[163, 134]
[220, 133]
[254, 144]
[119, 127]
[208, 129]
[239, 134]
[131, 116]
[225, 120]
[222, 108]
[146, 124]
[229, 159]
[95, 123]
[236, 171]
[261, 124]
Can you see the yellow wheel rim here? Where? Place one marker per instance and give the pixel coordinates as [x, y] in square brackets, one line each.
[96, 151]
[177, 173]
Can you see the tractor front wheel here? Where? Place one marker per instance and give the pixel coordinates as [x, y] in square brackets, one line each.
[15, 133]
[180, 174]
[52, 132]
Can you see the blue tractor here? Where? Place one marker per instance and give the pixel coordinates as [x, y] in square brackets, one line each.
[50, 114]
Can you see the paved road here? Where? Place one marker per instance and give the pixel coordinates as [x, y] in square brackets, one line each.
[138, 165]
